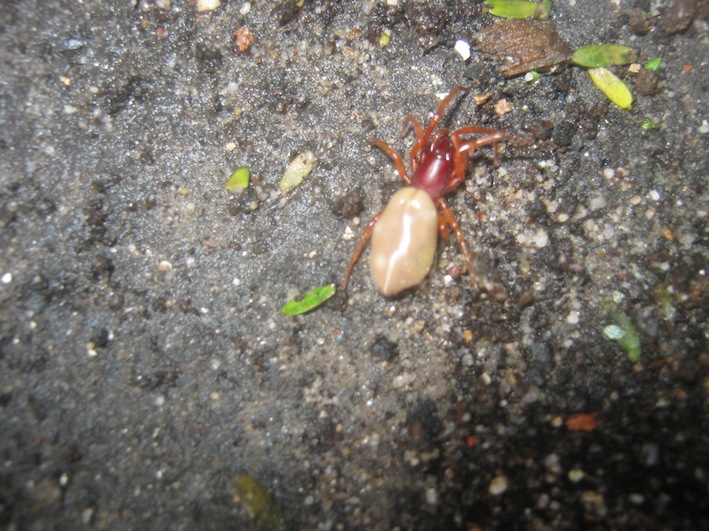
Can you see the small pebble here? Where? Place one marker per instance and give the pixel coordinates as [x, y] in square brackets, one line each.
[207, 5]
[576, 475]
[541, 239]
[597, 203]
[498, 485]
[463, 49]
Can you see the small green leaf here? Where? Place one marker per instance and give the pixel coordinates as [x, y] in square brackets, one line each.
[604, 55]
[310, 300]
[623, 332]
[384, 38]
[543, 10]
[512, 8]
[258, 503]
[612, 87]
[299, 168]
[653, 64]
[647, 125]
[239, 179]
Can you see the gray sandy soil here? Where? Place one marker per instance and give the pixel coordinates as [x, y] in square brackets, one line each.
[144, 359]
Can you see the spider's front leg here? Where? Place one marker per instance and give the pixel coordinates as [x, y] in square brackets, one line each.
[394, 156]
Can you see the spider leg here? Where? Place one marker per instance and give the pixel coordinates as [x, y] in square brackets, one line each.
[453, 224]
[442, 227]
[439, 113]
[464, 148]
[410, 121]
[394, 156]
[366, 234]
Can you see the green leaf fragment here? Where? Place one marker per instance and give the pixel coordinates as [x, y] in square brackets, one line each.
[384, 38]
[604, 55]
[647, 125]
[623, 332]
[518, 9]
[258, 503]
[543, 10]
[310, 300]
[239, 180]
[653, 64]
[299, 168]
[614, 89]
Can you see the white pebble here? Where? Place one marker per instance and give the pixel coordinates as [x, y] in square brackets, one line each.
[498, 485]
[576, 475]
[541, 238]
[573, 317]
[207, 5]
[613, 332]
[6, 278]
[463, 49]
[597, 203]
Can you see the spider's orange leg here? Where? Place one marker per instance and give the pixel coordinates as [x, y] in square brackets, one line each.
[366, 234]
[463, 149]
[490, 136]
[439, 113]
[442, 227]
[453, 224]
[394, 156]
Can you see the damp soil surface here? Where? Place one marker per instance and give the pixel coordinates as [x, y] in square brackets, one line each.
[144, 359]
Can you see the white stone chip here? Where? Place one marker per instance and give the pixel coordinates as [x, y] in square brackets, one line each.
[463, 49]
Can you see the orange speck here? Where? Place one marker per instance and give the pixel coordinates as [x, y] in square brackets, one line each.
[503, 106]
[582, 422]
[687, 68]
[470, 441]
[244, 38]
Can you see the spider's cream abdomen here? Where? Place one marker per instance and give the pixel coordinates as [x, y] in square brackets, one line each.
[404, 241]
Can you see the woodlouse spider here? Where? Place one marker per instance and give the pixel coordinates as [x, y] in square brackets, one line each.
[405, 233]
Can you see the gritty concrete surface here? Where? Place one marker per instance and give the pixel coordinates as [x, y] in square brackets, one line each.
[144, 360]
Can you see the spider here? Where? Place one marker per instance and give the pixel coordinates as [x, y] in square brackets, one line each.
[405, 233]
